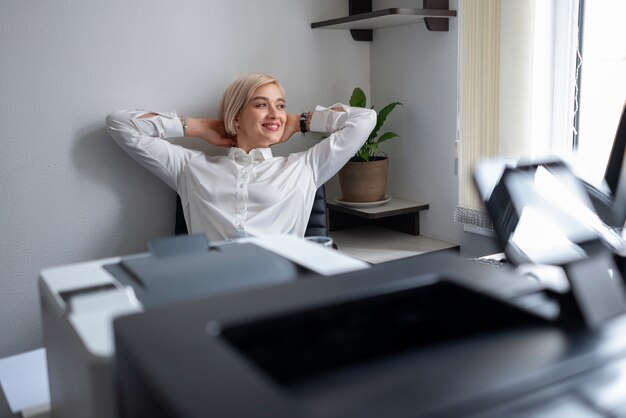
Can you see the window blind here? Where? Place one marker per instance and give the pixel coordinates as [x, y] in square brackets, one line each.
[478, 109]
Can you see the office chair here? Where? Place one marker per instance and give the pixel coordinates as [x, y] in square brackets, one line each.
[317, 226]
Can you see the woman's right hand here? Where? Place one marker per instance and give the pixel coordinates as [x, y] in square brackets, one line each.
[210, 130]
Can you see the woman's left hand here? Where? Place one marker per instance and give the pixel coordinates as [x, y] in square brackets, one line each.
[211, 130]
[291, 127]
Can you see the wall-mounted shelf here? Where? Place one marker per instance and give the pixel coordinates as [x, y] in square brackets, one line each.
[362, 19]
[383, 18]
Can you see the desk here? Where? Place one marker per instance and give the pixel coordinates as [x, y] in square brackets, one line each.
[377, 245]
[383, 233]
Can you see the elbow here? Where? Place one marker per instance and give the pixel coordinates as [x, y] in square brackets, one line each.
[117, 119]
[364, 118]
[371, 118]
[119, 125]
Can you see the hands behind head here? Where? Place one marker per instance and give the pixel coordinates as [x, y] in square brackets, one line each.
[210, 130]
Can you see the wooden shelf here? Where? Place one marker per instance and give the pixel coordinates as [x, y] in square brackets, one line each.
[362, 20]
[396, 206]
[398, 214]
[383, 18]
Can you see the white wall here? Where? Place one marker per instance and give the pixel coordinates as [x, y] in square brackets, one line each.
[419, 68]
[68, 192]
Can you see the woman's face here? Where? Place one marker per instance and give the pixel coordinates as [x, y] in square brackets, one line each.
[261, 122]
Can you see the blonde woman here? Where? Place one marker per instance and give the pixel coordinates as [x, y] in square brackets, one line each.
[249, 191]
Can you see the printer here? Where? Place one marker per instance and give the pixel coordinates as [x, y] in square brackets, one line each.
[426, 336]
[80, 301]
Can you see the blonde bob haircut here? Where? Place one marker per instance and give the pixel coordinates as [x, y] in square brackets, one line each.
[238, 94]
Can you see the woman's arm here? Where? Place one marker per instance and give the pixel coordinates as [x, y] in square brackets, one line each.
[211, 130]
[141, 134]
[350, 127]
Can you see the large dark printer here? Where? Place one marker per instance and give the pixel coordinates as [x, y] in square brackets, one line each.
[427, 336]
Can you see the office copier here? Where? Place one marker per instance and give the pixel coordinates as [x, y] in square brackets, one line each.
[80, 301]
[426, 336]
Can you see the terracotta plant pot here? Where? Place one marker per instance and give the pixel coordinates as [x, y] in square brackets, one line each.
[364, 181]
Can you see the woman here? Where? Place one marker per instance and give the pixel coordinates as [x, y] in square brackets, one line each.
[248, 192]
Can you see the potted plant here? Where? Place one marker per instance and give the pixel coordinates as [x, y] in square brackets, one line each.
[364, 177]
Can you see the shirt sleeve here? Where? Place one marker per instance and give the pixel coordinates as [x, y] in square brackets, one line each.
[143, 139]
[350, 129]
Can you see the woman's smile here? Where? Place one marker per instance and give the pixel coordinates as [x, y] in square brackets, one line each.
[271, 126]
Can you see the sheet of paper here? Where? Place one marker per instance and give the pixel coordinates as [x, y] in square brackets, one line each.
[316, 257]
[24, 379]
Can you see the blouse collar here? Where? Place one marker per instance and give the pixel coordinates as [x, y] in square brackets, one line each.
[256, 154]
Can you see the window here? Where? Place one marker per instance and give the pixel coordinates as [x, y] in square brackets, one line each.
[602, 84]
[517, 86]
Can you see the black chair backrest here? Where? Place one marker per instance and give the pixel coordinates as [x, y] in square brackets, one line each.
[181, 227]
[318, 220]
[317, 226]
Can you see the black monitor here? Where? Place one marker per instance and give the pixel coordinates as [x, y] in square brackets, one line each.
[615, 174]
[610, 206]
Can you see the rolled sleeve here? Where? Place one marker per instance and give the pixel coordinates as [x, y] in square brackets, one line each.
[325, 119]
[164, 125]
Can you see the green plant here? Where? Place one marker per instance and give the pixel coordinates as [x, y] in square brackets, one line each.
[370, 147]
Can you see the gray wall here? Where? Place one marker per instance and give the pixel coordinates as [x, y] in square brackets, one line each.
[419, 68]
[68, 192]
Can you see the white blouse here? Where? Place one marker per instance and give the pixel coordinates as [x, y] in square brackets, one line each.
[240, 195]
